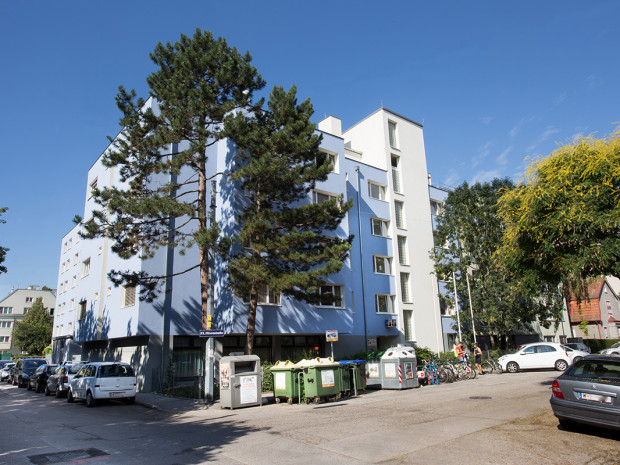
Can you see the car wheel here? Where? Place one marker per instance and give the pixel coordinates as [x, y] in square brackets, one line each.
[561, 365]
[130, 400]
[58, 392]
[28, 387]
[20, 383]
[13, 381]
[70, 398]
[576, 359]
[47, 391]
[90, 401]
[512, 367]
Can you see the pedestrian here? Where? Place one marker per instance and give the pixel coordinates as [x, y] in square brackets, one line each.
[478, 356]
[460, 351]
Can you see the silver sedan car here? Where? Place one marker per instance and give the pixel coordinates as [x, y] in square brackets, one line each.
[589, 392]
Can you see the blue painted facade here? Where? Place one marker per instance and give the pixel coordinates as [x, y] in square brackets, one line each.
[152, 335]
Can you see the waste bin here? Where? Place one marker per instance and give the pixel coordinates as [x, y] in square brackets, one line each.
[373, 374]
[354, 380]
[399, 368]
[321, 379]
[286, 383]
[240, 381]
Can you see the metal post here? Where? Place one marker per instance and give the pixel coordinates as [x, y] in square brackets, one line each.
[359, 224]
[210, 344]
[471, 309]
[456, 303]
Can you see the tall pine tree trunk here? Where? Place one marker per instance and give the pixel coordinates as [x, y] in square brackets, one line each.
[251, 329]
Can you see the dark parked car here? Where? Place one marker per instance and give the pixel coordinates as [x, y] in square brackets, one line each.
[58, 382]
[23, 369]
[589, 392]
[578, 346]
[38, 380]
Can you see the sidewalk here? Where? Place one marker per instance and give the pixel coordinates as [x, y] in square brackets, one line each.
[172, 405]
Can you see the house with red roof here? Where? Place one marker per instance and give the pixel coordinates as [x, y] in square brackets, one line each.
[600, 309]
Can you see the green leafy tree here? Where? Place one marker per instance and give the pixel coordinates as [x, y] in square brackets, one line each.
[34, 333]
[562, 224]
[284, 244]
[467, 236]
[163, 200]
[3, 250]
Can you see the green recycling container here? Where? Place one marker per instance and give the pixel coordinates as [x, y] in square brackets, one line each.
[322, 379]
[355, 380]
[286, 382]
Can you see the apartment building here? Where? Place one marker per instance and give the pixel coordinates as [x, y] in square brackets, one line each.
[388, 294]
[14, 307]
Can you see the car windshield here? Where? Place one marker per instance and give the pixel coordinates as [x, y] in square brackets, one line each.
[73, 369]
[596, 369]
[112, 371]
[30, 364]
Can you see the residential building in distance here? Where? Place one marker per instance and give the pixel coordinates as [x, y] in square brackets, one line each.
[14, 307]
[600, 310]
[386, 293]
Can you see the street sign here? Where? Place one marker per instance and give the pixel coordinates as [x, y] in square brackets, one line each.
[331, 335]
[211, 333]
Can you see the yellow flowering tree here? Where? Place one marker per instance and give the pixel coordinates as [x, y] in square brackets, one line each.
[562, 223]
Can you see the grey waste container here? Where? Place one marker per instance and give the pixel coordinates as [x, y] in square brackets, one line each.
[399, 368]
[240, 381]
[373, 374]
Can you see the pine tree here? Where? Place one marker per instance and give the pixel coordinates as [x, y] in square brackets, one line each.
[162, 200]
[283, 245]
[34, 332]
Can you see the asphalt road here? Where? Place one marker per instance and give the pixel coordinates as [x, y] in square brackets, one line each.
[495, 419]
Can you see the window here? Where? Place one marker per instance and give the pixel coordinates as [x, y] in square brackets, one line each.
[393, 135]
[399, 207]
[82, 307]
[92, 187]
[71, 304]
[318, 196]
[74, 281]
[333, 158]
[75, 259]
[379, 227]
[403, 257]
[549, 338]
[404, 287]
[384, 303]
[331, 296]
[268, 297]
[70, 329]
[99, 250]
[128, 296]
[408, 317]
[396, 173]
[4, 338]
[381, 265]
[376, 190]
[435, 207]
[5, 324]
[86, 267]
[96, 296]
[28, 299]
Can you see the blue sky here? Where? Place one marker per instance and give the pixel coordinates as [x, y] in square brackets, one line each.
[493, 83]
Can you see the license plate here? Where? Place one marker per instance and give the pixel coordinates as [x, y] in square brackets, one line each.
[117, 394]
[594, 397]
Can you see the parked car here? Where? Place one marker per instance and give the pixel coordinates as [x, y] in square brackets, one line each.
[578, 346]
[588, 392]
[23, 369]
[103, 380]
[38, 380]
[614, 349]
[540, 355]
[575, 354]
[58, 382]
[5, 373]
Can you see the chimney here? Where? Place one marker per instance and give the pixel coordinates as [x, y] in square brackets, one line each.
[331, 125]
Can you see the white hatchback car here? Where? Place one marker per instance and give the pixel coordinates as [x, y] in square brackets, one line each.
[540, 355]
[103, 380]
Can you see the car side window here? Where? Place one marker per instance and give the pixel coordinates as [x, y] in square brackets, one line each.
[547, 349]
[81, 372]
[530, 350]
[90, 370]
